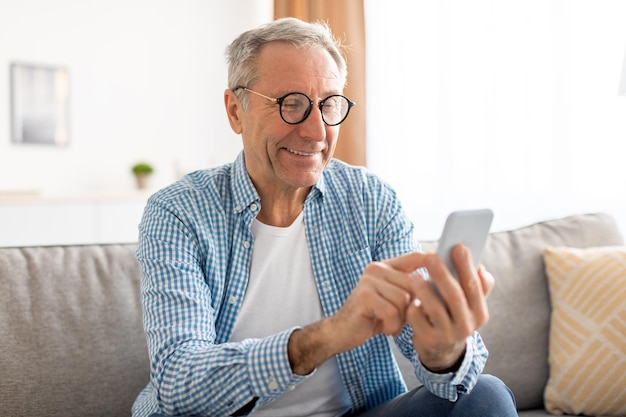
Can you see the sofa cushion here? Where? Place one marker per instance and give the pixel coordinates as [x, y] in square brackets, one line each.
[588, 330]
[517, 333]
[71, 330]
[519, 305]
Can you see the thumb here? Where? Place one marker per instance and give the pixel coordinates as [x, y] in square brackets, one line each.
[417, 319]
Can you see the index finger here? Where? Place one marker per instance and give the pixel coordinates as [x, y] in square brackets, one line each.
[408, 262]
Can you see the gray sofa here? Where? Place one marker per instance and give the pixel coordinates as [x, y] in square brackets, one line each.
[73, 344]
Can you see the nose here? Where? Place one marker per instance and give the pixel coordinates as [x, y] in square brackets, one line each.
[313, 127]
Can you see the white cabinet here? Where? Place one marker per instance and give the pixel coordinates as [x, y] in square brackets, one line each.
[68, 220]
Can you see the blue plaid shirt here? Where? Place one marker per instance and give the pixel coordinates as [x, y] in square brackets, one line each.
[195, 247]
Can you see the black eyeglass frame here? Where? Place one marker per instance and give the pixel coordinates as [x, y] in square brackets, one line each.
[320, 105]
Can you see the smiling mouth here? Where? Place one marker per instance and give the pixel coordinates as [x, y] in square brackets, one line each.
[293, 151]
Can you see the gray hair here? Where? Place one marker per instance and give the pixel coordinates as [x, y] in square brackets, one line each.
[242, 53]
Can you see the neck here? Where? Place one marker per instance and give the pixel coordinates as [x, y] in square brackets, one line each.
[281, 210]
[278, 219]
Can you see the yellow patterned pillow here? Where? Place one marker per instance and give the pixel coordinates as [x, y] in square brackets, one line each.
[588, 331]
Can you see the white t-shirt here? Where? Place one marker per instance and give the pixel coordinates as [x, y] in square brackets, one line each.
[282, 293]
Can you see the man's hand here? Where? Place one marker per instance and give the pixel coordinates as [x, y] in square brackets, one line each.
[378, 304]
[440, 328]
[388, 296]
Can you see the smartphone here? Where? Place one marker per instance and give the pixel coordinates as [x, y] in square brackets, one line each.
[469, 227]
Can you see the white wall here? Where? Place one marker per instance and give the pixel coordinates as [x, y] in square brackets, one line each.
[147, 79]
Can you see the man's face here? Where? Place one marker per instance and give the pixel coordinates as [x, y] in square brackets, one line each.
[280, 156]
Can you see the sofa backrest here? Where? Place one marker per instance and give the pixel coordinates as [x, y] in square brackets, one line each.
[519, 305]
[71, 331]
[73, 341]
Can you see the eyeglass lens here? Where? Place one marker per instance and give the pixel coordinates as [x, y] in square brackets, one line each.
[296, 107]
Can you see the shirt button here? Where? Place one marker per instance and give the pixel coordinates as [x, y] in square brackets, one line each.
[253, 207]
[232, 299]
[272, 384]
[237, 208]
[246, 244]
[290, 387]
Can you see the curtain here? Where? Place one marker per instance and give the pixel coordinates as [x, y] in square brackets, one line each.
[622, 84]
[346, 19]
[507, 104]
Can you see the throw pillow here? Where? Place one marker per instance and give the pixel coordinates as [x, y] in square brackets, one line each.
[587, 351]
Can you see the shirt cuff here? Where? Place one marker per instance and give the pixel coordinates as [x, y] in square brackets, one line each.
[270, 372]
[450, 384]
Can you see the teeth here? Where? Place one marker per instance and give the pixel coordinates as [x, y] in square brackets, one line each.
[300, 153]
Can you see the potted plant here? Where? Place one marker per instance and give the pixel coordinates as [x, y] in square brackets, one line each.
[142, 171]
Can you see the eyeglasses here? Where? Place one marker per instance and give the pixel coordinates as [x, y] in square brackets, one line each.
[295, 107]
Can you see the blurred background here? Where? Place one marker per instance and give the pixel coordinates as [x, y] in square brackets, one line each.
[513, 105]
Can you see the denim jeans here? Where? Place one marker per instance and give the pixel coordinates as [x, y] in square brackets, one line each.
[489, 398]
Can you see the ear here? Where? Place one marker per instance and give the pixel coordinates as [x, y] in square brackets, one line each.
[233, 109]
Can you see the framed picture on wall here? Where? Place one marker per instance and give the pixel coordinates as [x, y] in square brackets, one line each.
[40, 97]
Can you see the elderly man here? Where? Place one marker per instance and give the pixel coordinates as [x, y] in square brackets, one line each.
[270, 285]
